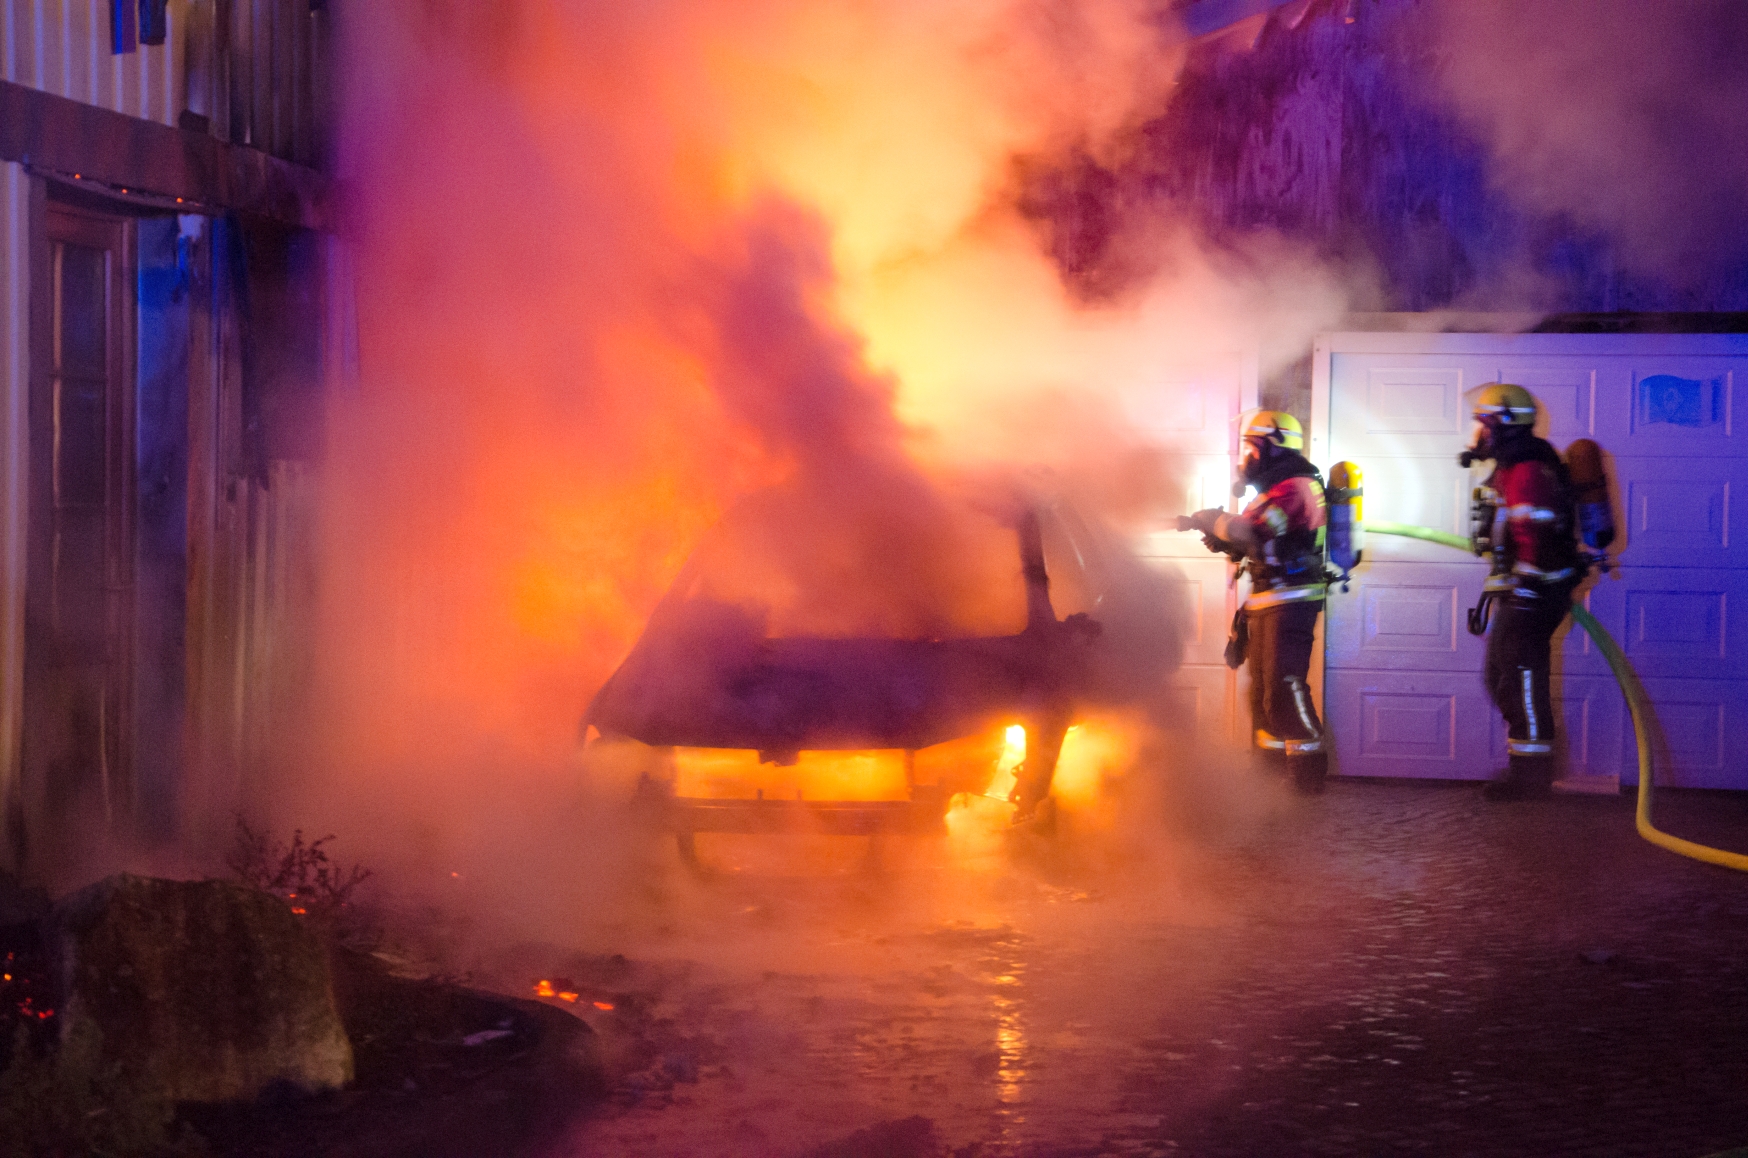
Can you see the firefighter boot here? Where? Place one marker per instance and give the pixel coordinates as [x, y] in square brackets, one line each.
[1269, 755]
[1309, 771]
[1526, 778]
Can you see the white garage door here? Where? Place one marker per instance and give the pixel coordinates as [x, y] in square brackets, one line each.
[1191, 411]
[1404, 695]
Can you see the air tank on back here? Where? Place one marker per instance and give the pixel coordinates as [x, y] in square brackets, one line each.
[1346, 537]
[1590, 490]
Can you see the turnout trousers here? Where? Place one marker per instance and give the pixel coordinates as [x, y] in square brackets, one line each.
[1281, 712]
[1519, 655]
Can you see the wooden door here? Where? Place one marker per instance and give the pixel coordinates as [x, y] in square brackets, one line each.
[80, 590]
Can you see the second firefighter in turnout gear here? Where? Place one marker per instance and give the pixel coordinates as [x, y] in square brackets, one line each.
[1524, 516]
[1279, 538]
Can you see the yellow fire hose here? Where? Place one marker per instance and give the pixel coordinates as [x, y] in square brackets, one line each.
[1637, 703]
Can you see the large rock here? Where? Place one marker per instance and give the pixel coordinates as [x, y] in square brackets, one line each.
[202, 991]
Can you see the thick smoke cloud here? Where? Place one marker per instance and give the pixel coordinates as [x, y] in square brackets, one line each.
[622, 266]
[1623, 115]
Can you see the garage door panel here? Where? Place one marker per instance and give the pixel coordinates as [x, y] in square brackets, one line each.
[1591, 712]
[1418, 491]
[1566, 391]
[1672, 621]
[1696, 517]
[1669, 406]
[1574, 652]
[1416, 724]
[1415, 615]
[1198, 598]
[1197, 702]
[1702, 726]
[1188, 408]
[1396, 406]
[1426, 725]
[1401, 400]
[1678, 518]
[1407, 616]
[1691, 515]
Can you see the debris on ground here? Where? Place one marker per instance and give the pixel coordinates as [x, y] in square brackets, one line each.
[207, 1018]
[208, 991]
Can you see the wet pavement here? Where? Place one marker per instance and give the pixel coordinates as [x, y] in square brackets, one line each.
[1387, 969]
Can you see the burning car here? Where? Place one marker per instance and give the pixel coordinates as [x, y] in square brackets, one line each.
[755, 728]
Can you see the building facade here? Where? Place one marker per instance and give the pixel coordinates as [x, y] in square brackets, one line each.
[173, 306]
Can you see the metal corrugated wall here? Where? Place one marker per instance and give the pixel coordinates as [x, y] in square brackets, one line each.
[269, 77]
[14, 477]
[63, 47]
[256, 68]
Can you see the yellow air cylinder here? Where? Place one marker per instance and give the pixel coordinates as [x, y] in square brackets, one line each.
[1347, 533]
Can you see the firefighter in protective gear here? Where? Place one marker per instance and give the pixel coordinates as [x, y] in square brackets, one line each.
[1279, 539]
[1528, 504]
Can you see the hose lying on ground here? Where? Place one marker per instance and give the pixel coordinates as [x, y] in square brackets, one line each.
[1637, 703]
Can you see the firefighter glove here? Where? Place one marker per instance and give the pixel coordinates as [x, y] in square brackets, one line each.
[1202, 521]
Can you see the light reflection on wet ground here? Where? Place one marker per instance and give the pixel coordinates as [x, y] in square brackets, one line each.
[1388, 969]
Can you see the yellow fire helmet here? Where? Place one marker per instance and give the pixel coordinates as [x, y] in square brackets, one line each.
[1505, 404]
[1277, 427]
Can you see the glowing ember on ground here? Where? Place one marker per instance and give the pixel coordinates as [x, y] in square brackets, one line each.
[25, 1006]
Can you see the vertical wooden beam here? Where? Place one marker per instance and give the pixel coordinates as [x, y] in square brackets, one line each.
[283, 82]
[319, 77]
[16, 190]
[203, 498]
[241, 81]
[261, 74]
[31, 813]
[215, 493]
[218, 93]
[301, 84]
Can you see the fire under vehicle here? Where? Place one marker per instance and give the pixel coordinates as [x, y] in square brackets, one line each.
[863, 735]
